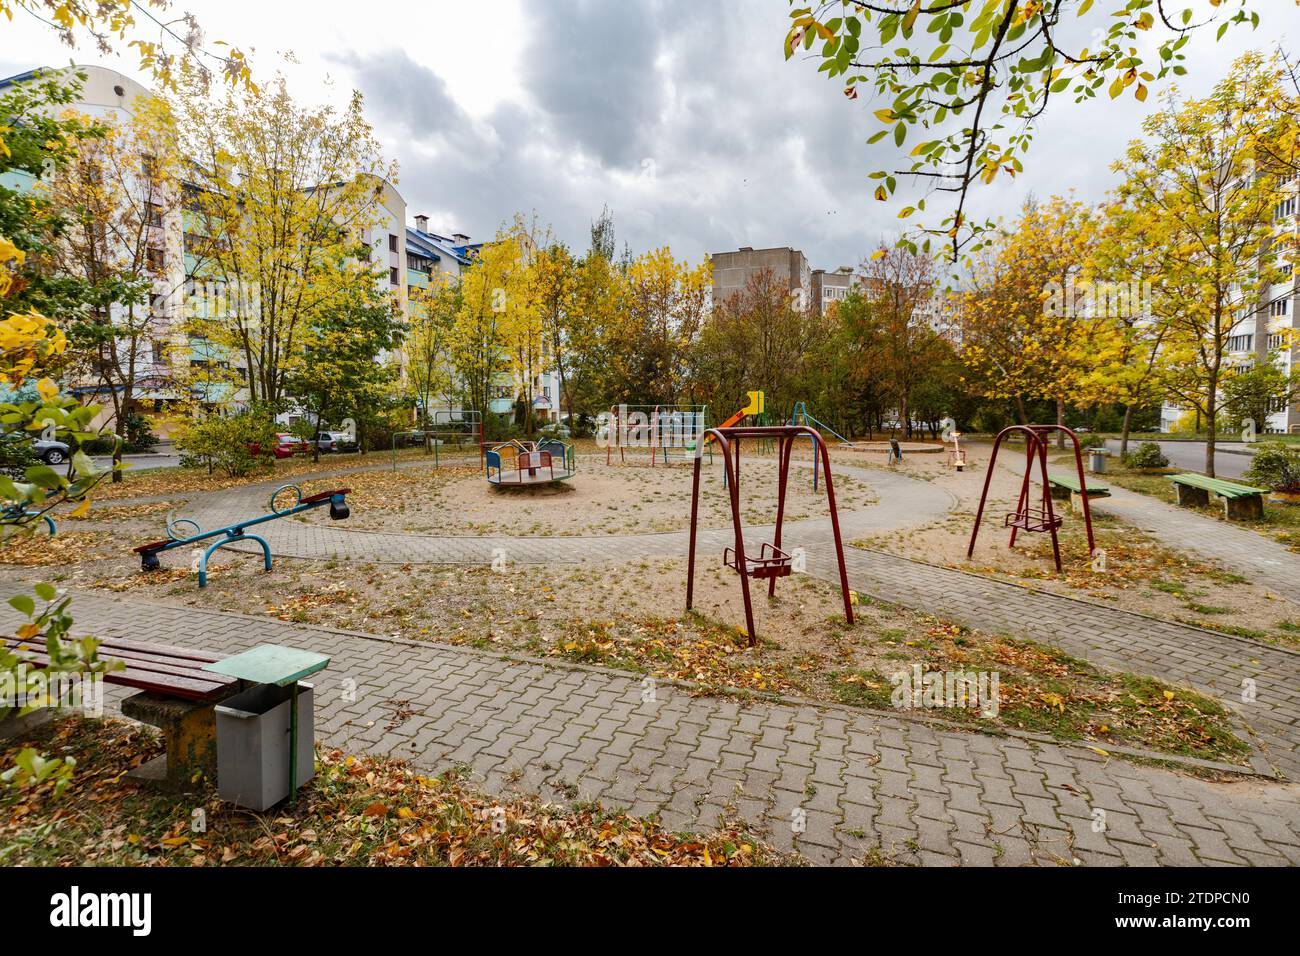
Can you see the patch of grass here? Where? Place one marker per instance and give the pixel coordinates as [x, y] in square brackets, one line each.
[862, 688]
[1234, 629]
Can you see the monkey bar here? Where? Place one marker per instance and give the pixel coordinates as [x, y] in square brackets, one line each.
[661, 428]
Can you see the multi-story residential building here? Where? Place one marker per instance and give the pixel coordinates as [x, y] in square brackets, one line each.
[831, 287]
[1265, 329]
[732, 271]
[431, 256]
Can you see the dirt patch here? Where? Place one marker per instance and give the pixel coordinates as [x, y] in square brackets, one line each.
[600, 499]
[356, 811]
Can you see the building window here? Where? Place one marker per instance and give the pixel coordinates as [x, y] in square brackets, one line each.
[392, 242]
[152, 214]
[1285, 208]
[393, 277]
[154, 259]
[1275, 341]
[1240, 343]
[1278, 307]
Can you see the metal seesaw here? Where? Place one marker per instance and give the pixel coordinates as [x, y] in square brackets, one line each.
[236, 533]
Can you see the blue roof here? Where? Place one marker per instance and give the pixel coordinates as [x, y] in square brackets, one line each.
[434, 246]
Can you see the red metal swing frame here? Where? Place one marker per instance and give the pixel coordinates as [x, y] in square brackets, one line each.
[1028, 517]
[772, 562]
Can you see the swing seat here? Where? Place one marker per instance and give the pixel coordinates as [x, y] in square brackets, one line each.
[771, 562]
[1032, 519]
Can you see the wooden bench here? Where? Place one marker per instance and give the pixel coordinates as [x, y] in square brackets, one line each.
[176, 695]
[1240, 502]
[1065, 487]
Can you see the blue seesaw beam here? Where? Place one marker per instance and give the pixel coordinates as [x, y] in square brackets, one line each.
[236, 533]
[14, 514]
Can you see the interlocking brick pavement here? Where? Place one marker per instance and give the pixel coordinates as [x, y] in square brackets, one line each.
[1219, 664]
[854, 785]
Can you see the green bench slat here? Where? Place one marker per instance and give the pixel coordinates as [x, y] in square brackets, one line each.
[1094, 490]
[1224, 489]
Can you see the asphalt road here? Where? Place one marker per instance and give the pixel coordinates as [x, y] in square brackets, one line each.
[140, 462]
[1230, 459]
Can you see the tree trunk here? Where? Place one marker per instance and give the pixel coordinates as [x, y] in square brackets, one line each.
[1060, 420]
[1211, 433]
[1123, 435]
[1020, 410]
[118, 405]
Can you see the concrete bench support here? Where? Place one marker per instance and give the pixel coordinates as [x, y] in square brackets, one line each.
[190, 731]
[1245, 508]
[1189, 497]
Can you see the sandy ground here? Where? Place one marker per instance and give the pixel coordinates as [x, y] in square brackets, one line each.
[1138, 573]
[600, 499]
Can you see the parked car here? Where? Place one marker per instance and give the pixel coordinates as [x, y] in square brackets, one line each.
[335, 441]
[51, 452]
[287, 445]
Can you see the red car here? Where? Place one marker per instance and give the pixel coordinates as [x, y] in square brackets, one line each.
[286, 446]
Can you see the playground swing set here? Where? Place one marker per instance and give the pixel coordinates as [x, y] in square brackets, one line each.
[1030, 517]
[237, 532]
[772, 562]
[521, 464]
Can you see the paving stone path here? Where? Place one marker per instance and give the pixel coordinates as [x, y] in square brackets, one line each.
[1261, 559]
[1258, 682]
[855, 782]
[837, 784]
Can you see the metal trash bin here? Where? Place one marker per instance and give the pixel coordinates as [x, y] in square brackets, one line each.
[253, 744]
[1097, 461]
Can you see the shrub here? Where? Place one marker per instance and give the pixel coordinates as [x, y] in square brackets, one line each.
[1092, 440]
[1276, 466]
[1146, 455]
[234, 445]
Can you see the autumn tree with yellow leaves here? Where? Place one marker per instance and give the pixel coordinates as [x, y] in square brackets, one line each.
[1200, 189]
[495, 304]
[958, 86]
[120, 196]
[662, 306]
[1023, 335]
[281, 201]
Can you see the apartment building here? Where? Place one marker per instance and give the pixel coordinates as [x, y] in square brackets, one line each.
[1265, 329]
[830, 287]
[732, 271]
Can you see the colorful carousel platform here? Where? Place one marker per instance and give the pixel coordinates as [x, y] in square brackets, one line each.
[519, 464]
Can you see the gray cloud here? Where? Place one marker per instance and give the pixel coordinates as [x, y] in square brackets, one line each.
[687, 122]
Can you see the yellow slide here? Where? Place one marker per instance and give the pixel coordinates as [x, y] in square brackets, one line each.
[757, 403]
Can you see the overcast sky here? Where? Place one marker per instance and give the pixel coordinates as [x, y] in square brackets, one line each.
[682, 116]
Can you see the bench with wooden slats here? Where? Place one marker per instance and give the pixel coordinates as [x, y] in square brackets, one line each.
[160, 668]
[1071, 484]
[1240, 502]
